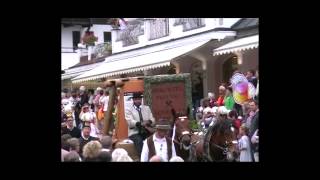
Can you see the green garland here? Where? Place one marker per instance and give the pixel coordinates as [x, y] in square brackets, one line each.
[149, 80]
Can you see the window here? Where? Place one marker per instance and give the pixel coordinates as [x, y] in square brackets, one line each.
[75, 39]
[159, 28]
[107, 36]
[129, 36]
[190, 23]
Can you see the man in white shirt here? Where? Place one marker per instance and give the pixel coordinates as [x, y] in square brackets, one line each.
[140, 121]
[159, 143]
[103, 102]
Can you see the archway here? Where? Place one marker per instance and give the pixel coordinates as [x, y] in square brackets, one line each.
[228, 67]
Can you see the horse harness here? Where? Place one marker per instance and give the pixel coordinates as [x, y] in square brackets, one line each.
[207, 142]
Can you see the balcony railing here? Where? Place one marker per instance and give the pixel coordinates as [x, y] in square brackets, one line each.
[102, 49]
[190, 23]
[159, 27]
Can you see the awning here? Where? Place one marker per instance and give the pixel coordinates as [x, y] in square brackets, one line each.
[74, 72]
[124, 63]
[238, 45]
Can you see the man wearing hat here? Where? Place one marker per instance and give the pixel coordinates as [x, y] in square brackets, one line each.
[159, 143]
[139, 119]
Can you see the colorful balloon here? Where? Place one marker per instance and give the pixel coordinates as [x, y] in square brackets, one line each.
[242, 89]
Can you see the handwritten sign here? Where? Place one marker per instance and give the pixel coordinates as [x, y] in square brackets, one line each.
[166, 96]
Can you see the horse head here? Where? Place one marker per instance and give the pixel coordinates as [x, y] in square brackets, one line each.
[182, 129]
[222, 140]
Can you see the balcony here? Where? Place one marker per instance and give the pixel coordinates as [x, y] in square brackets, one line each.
[102, 49]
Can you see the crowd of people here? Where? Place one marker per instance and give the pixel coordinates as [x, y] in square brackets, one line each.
[244, 117]
[82, 120]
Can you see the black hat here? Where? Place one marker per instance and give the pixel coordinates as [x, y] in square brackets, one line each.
[137, 95]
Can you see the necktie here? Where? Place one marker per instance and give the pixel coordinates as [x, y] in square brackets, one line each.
[140, 114]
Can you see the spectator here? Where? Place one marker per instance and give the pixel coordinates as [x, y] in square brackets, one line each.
[176, 159]
[120, 154]
[156, 158]
[88, 117]
[91, 98]
[74, 145]
[228, 99]
[200, 109]
[104, 156]
[70, 129]
[91, 151]
[255, 145]
[73, 101]
[106, 142]
[211, 97]
[85, 137]
[103, 101]
[251, 78]
[72, 157]
[244, 145]
[64, 145]
[207, 113]
[246, 112]
[232, 115]
[254, 107]
[99, 93]
[64, 139]
[222, 91]
[83, 96]
[257, 88]
[124, 158]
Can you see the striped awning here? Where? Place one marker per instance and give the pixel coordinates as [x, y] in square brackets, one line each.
[242, 44]
[128, 63]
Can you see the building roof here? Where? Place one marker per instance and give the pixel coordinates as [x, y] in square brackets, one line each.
[87, 62]
[245, 23]
[84, 21]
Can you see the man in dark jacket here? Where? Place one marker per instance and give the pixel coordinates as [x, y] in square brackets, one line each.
[70, 129]
[84, 98]
[85, 137]
[254, 106]
[251, 78]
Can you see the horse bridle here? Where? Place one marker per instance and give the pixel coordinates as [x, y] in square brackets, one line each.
[224, 149]
[179, 142]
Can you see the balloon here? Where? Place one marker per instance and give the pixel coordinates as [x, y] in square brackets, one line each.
[241, 87]
[239, 98]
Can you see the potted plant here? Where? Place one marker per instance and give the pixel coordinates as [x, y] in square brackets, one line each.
[89, 38]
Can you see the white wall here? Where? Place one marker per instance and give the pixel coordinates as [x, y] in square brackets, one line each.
[98, 31]
[174, 32]
[66, 35]
[68, 60]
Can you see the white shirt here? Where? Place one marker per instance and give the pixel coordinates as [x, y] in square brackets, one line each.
[94, 131]
[90, 101]
[245, 150]
[160, 147]
[104, 100]
[73, 101]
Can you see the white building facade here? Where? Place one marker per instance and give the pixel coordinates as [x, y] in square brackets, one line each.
[187, 45]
